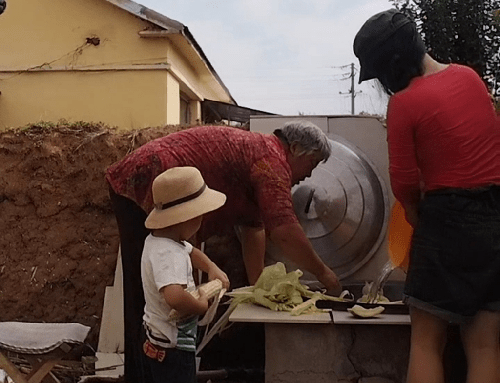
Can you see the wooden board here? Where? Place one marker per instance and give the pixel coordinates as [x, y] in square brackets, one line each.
[390, 308]
[247, 312]
[345, 317]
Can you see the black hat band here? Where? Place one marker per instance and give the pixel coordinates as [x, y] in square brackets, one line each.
[182, 200]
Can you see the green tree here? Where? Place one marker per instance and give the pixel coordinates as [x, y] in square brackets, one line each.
[460, 31]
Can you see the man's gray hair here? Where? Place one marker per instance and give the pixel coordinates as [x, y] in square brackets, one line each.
[308, 135]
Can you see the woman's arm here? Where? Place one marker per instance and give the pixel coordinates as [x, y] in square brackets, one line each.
[403, 168]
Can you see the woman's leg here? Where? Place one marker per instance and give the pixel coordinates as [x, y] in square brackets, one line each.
[481, 340]
[428, 340]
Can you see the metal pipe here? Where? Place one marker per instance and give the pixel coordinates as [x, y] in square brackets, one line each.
[309, 200]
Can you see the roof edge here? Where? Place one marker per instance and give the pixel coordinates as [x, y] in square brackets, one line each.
[148, 14]
[197, 47]
[164, 22]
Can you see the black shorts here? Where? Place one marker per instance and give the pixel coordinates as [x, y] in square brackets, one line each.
[454, 269]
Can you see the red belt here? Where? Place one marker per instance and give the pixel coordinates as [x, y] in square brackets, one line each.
[154, 352]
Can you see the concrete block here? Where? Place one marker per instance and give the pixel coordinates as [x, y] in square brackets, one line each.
[329, 353]
[111, 334]
[375, 380]
[296, 354]
[110, 365]
[381, 351]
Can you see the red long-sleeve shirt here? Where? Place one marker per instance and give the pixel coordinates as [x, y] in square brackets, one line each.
[442, 132]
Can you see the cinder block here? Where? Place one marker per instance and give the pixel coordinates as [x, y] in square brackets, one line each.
[375, 379]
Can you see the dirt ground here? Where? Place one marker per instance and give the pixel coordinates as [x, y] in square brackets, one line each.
[59, 236]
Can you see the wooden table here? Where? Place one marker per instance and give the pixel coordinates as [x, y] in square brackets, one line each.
[248, 312]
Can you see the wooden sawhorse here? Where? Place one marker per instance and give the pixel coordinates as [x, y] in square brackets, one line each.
[41, 365]
[43, 345]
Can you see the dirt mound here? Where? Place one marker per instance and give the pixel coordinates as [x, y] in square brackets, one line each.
[59, 239]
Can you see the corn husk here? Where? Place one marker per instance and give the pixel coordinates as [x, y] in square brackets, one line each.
[362, 312]
[278, 291]
[281, 291]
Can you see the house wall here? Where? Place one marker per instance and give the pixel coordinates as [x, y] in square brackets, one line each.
[51, 70]
[120, 99]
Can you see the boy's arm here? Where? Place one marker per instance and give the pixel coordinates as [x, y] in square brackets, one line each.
[201, 261]
[183, 302]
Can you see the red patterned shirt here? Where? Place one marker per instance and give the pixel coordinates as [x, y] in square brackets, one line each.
[250, 168]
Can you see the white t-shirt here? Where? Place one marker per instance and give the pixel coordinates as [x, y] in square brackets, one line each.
[164, 262]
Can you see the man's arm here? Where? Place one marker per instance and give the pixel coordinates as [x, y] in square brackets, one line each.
[253, 244]
[295, 245]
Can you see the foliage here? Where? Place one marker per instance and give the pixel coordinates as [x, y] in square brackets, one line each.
[460, 31]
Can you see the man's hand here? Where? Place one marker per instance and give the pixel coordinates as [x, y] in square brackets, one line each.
[331, 282]
[295, 245]
[3, 5]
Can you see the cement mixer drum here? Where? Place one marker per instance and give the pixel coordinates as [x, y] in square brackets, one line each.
[343, 209]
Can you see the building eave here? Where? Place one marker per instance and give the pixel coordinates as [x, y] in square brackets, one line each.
[171, 27]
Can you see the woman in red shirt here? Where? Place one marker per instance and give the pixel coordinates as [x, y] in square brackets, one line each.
[444, 164]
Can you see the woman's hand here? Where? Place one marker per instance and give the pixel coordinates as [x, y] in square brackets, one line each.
[411, 214]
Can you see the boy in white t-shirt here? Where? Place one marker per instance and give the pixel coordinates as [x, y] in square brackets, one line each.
[181, 199]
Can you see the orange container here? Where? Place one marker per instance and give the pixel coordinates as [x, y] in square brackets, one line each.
[399, 237]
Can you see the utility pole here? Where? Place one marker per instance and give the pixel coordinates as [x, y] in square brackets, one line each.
[352, 91]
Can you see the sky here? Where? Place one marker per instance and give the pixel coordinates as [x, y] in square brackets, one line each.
[286, 57]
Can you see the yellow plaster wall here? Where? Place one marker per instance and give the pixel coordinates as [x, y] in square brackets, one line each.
[195, 112]
[52, 35]
[55, 32]
[173, 100]
[119, 99]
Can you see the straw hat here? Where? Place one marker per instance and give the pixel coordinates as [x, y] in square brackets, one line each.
[180, 194]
